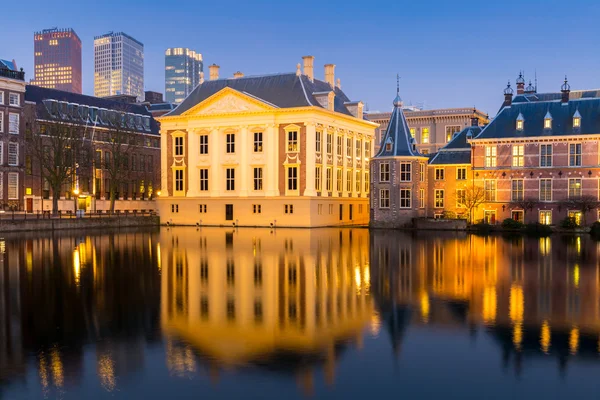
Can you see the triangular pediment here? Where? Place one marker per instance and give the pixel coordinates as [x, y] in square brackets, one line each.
[228, 101]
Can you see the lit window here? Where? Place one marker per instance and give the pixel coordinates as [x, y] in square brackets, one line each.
[339, 179]
[546, 217]
[412, 132]
[421, 198]
[348, 147]
[574, 187]
[318, 172]
[490, 190]
[439, 198]
[519, 125]
[490, 156]
[318, 136]
[461, 198]
[451, 131]
[577, 120]
[548, 121]
[422, 172]
[338, 149]
[348, 181]
[425, 135]
[329, 143]
[292, 141]
[517, 156]
[328, 179]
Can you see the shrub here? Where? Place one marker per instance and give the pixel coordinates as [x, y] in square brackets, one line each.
[568, 223]
[595, 229]
[537, 229]
[482, 227]
[449, 215]
[510, 223]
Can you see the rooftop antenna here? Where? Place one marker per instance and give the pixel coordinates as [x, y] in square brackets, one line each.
[536, 80]
[398, 84]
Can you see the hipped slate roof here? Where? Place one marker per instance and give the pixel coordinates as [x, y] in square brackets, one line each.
[505, 124]
[8, 64]
[458, 150]
[286, 90]
[398, 136]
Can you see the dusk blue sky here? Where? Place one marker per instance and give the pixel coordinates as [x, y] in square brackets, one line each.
[448, 53]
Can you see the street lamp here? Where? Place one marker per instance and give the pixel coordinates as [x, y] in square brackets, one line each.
[76, 192]
[158, 193]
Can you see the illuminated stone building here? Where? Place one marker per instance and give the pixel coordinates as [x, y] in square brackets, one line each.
[399, 176]
[88, 188]
[183, 70]
[237, 298]
[57, 60]
[12, 133]
[432, 129]
[118, 66]
[283, 150]
[538, 152]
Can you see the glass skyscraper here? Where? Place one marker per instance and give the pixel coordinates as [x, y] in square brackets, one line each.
[182, 73]
[57, 59]
[118, 66]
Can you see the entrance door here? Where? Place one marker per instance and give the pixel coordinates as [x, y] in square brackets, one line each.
[350, 212]
[517, 216]
[81, 203]
[575, 216]
[228, 212]
[489, 217]
[341, 212]
[29, 205]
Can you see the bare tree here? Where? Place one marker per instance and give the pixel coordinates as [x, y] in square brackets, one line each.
[584, 204]
[471, 199]
[526, 204]
[55, 147]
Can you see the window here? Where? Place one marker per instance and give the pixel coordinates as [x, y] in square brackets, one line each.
[179, 180]
[384, 172]
[179, 145]
[576, 122]
[348, 147]
[1, 156]
[439, 174]
[256, 209]
[1, 121]
[230, 179]
[366, 181]
[331, 209]
[546, 217]
[421, 198]
[357, 181]
[1, 97]
[13, 153]
[258, 179]
[318, 138]
[545, 189]
[204, 179]
[384, 198]
[318, 172]
[174, 208]
[574, 187]
[425, 135]
[424, 151]
[412, 132]
[338, 148]
[439, 198]
[489, 186]
[348, 181]
[203, 144]
[2, 184]
[575, 155]
[547, 123]
[230, 143]
[450, 131]
[258, 142]
[405, 195]
[517, 155]
[405, 173]
[367, 150]
[292, 141]
[422, 172]
[461, 173]
[13, 123]
[328, 179]
[545, 155]
[490, 156]
[292, 178]
[329, 143]
[107, 160]
[150, 163]
[517, 190]
[202, 208]
[358, 148]
[519, 124]
[13, 185]
[13, 99]
[339, 187]
[288, 208]
[461, 198]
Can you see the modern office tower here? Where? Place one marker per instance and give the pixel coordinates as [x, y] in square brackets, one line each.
[182, 73]
[118, 65]
[57, 59]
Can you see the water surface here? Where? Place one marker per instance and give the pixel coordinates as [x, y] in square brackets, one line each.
[325, 313]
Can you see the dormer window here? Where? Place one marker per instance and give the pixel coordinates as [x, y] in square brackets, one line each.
[548, 121]
[520, 122]
[577, 120]
[388, 144]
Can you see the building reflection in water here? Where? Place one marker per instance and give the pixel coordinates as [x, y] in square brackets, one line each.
[290, 300]
[533, 296]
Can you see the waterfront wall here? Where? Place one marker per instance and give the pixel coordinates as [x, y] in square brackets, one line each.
[21, 225]
[440, 224]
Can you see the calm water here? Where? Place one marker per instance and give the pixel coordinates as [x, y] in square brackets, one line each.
[328, 314]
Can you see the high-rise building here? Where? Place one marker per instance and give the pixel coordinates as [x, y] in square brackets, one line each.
[182, 73]
[118, 65]
[57, 59]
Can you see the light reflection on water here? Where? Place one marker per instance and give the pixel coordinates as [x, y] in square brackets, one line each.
[324, 313]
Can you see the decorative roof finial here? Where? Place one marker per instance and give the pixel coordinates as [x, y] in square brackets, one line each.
[398, 100]
[565, 86]
[298, 71]
[397, 84]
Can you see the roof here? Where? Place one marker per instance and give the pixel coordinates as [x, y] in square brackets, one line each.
[286, 90]
[458, 150]
[397, 141]
[8, 64]
[37, 94]
[533, 112]
[541, 97]
[161, 106]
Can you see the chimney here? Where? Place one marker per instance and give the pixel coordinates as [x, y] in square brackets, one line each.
[474, 118]
[214, 72]
[508, 95]
[330, 75]
[520, 83]
[238, 75]
[338, 84]
[308, 67]
[565, 89]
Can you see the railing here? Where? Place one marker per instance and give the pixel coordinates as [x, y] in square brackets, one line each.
[21, 215]
[9, 73]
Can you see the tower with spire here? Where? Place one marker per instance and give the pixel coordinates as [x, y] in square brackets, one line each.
[398, 174]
